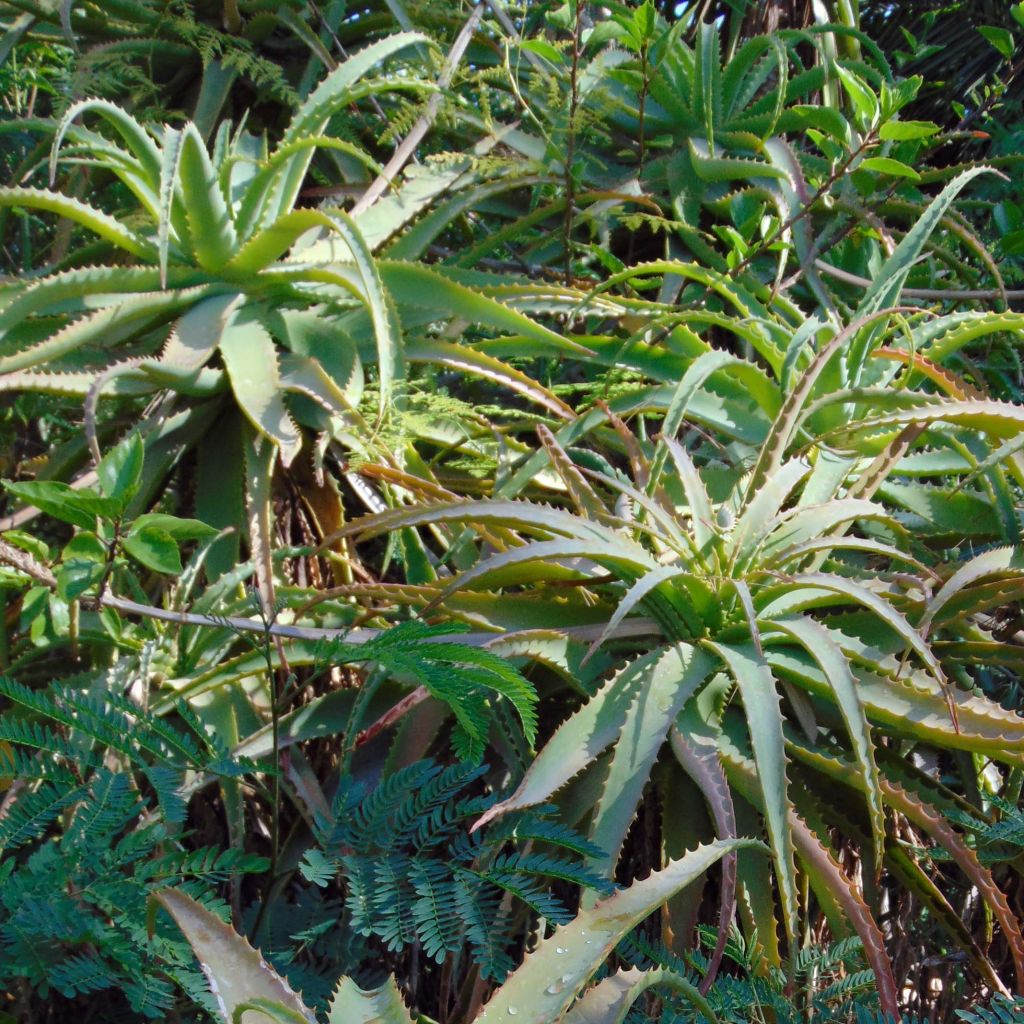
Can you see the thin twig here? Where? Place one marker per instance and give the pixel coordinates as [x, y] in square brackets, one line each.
[35, 570]
[407, 147]
[937, 294]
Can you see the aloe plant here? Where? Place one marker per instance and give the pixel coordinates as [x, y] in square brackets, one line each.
[541, 991]
[758, 600]
[249, 310]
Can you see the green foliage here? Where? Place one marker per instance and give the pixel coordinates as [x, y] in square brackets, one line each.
[823, 984]
[73, 912]
[656, 405]
[456, 673]
[1001, 1010]
[413, 872]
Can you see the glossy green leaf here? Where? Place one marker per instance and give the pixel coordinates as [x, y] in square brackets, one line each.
[156, 549]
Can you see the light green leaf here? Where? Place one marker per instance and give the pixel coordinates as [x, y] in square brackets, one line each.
[120, 470]
[333, 93]
[77, 575]
[886, 165]
[609, 1001]
[899, 131]
[250, 358]
[141, 146]
[545, 985]
[108, 228]
[212, 230]
[580, 739]
[79, 506]
[1000, 38]
[671, 681]
[351, 1004]
[818, 641]
[888, 282]
[1001, 562]
[175, 526]
[428, 289]
[236, 972]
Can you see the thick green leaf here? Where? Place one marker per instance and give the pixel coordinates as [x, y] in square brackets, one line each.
[756, 683]
[819, 642]
[237, 974]
[543, 988]
[610, 1000]
[669, 684]
[382, 1005]
[580, 739]
[108, 228]
[209, 219]
[250, 358]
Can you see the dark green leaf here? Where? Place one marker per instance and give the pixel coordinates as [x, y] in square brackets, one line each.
[155, 549]
[120, 470]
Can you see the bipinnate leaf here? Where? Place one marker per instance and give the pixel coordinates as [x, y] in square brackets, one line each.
[236, 972]
[549, 979]
[354, 1005]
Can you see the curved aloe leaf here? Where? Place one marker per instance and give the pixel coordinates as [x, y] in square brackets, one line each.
[824, 871]
[756, 683]
[609, 1001]
[672, 680]
[694, 742]
[819, 642]
[998, 562]
[107, 326]
[889, 281]
[209, 218]
[579, 740]
[543, 988]
[351, 1004]
[430, 290]
[251, 361]
[136, 138]
[915, 705]
[108, 228]
[334, 92]
[236, 973]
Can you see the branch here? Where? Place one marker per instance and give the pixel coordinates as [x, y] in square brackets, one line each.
[407, 147]
[26, 563]
[35, 570]
[937, 294]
